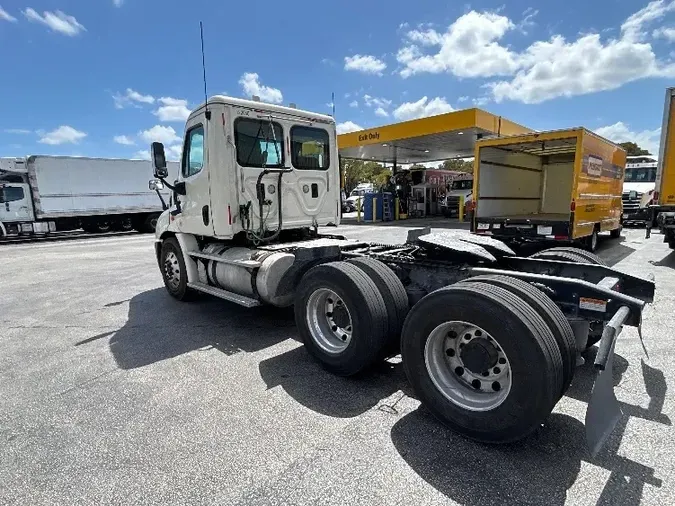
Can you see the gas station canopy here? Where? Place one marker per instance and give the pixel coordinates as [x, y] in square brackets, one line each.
[442, 137]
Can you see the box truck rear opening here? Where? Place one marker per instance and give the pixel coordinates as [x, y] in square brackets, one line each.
[556, 186]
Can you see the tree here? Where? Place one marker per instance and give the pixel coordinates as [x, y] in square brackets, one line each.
[360, 171]
[632, 149]
[457, 164]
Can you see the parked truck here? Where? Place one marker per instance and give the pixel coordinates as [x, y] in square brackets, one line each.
[664, 196]
[489, 340]
[639, 188]
[44, 194]
[563, 186]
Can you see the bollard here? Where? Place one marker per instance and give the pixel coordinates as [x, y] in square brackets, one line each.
[460, 212]
[358, 211]
[396, 203]
[374, 209]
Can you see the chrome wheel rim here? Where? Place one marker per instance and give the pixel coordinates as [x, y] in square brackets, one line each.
[172, 270]
[468, 366]
[329, 321]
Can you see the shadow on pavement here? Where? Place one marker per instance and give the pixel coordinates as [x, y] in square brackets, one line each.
[666, 261]
[308, 383]
[160, 327]
[536, 471]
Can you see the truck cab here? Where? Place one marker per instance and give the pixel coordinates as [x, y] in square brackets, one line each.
[638, 188]
[460, 190]
[16, 205]
[277, 170]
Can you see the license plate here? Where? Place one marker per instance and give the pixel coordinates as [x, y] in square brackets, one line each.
[542, 230]
[483, 226]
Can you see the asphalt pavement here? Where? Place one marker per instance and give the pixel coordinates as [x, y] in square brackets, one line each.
[111, 392]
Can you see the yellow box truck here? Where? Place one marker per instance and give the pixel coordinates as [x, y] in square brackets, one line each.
[560, 186]
[664, 196]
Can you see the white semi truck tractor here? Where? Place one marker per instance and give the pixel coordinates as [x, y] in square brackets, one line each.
[489, 340]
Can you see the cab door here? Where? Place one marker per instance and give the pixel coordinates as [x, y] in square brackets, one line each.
[15, 202]
[195, 215]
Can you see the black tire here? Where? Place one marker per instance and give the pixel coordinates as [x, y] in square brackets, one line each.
[168, 266]
[533, 355]
[591, 242]
[550, 313]
[126, 224]
[616, 233]
[150, 223]
[393, 293]
[366, 306]
[570, 254]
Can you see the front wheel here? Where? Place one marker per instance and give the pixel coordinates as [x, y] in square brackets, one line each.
[174, 271]
[592, 241]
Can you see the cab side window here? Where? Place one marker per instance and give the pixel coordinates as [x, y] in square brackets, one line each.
[193, 152]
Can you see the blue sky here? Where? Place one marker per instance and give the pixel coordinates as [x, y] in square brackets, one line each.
[106, 77]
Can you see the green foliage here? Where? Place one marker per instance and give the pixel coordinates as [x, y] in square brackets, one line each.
[457, 164]
[632, 149]
[360, 171]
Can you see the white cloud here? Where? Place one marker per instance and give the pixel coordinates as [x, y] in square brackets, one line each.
[422, 108]
[173, 152]
[469, 48]
[376, 102]
[124, 140]
[143, 154]
[620, 132]
[57, 21]
[472, 47]
[118, 3]
[347, 126]
[4, 15]
[131, 97]
[159, 133]
[354, 103]
[664, 33]
[251, 85]
[463, 98]
[633, 27]
[62, 135]
[19, 131]
[381, 112]
[172, 109]
[366, 64]
[558, 68]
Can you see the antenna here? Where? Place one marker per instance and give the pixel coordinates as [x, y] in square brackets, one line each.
[207, 113]
[332, 101]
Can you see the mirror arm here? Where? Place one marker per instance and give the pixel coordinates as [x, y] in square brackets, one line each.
[164, 206]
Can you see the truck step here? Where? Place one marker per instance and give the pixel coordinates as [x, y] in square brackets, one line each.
[249, 264]
[242, 300]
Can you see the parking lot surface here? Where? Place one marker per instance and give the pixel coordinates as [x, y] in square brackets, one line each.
[111, 392]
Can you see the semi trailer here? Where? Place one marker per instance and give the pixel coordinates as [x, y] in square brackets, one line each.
[44, 194]
[489, 340]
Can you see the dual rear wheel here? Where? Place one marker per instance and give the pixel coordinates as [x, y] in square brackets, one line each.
[489, 356]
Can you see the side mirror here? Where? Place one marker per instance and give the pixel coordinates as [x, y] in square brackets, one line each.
[159, 160]
[155, 184]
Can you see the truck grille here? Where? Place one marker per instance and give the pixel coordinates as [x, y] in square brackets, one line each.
[630, 204]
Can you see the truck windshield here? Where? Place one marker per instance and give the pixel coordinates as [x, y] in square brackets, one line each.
[640, 175]
[462, 185]
[10, 194]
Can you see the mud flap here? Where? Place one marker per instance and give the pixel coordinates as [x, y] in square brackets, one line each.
[603, 411]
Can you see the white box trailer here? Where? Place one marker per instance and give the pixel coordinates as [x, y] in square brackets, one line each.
[42, 194]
